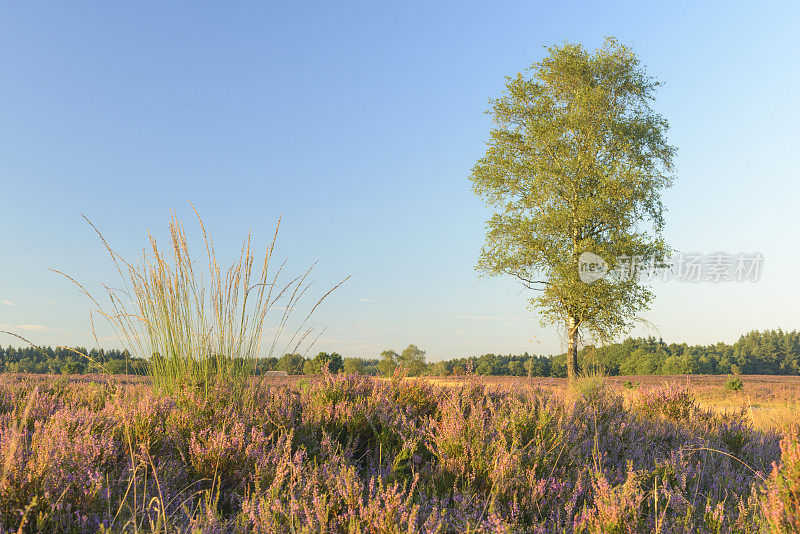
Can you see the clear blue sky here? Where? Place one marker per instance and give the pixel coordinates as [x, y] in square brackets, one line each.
[359, 124]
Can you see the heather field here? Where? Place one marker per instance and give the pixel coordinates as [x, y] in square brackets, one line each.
[399, 268]
[769, 401]
[356, 454]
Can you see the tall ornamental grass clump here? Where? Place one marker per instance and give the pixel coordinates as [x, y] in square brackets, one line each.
[197, 323]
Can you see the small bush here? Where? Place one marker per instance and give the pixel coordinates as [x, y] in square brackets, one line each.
[672, 402]
[734, 383]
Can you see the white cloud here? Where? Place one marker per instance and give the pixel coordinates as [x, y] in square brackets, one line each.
[366, 300]
[33, 327]
[6, 302]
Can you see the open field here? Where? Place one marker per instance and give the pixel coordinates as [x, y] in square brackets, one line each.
[356, 454]
[770, 401]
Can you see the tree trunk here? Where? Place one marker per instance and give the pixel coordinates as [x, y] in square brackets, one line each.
[572, 348]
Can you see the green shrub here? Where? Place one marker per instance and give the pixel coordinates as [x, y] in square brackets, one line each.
[734, 383]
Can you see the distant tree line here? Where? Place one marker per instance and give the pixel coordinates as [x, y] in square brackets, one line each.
[71, 361]
[771, 352]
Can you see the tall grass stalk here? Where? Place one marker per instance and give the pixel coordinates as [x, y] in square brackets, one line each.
[201, 327]
[589, 382]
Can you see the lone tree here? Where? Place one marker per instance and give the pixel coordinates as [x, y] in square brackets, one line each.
[576, 162]
[388, 362]
[412, 359]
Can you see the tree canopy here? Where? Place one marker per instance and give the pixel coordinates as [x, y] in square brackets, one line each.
[575, 163]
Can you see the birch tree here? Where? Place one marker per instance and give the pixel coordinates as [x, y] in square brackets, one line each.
[576, 162]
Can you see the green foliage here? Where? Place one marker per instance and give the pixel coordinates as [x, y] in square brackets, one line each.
[412, 360]
[576, 162]
[76, 360]
[757, 352]
[335, 362]
[388, 362]
[353, 366]
[767, 352]
[323, 361]
[292, 364]
[734, 383]
[439, 369]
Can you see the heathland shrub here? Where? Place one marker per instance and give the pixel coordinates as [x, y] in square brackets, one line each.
[356, 454]
[781, 491]
[630, 385]
[672, 402]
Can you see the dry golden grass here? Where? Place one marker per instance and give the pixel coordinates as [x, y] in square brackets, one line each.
[195, 322]
[772, 402]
